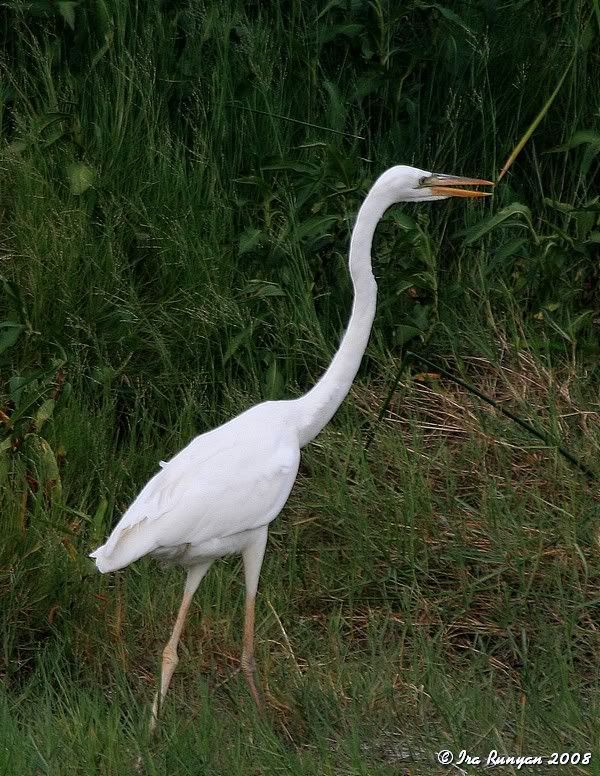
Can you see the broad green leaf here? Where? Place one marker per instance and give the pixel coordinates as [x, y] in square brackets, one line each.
[42, 457]
[402, 288]
[44, 413]
[315, 227]
[237, 341]
[263, 288]
[52, 481]
[349, 30]
[249, 240]
[10, 331]
[80, 176]
[510, 248]
[581, 137]
[420, 316]
[483, 227]
[562, 207]
[404, 221]
[591, 140]
[16, 385]
[404, 333]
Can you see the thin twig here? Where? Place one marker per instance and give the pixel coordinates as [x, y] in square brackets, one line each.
[545, 438]
[294, 121]
[408, 355]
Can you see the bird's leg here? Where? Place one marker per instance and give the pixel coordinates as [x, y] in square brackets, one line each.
[170, 657]
[248, 663]
[253, 557]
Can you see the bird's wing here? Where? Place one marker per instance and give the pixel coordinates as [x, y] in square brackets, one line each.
[232, 479]
[162, 493]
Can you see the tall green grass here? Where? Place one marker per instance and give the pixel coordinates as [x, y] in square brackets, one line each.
[172, 251]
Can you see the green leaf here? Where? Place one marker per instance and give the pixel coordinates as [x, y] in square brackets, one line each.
[13, 292]
[483, 227]
[420, 316]
[41, 456]
[262, 288]
[301, 167]
[67, 11]
[4, 469]
[349, 6]
[584, 136]
[335, 30]
[44, 413]
[17, 147]
[273, 382]
[404, 221]
[249, 240]
[16, 384]
[103, 19]
[509, 249]
[80, 176]
[588, 138]
[582, 320]
[533, 126]
[98, 527]
[404, 286]
[10, 331]
[450, 15]
[237, 341]
[405, 333]
[315, 227]
[425, 280]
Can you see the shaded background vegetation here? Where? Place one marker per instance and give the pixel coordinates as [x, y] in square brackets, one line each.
[179, 181]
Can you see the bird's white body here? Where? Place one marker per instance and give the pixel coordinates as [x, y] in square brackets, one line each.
[219, 494]
[210, 498]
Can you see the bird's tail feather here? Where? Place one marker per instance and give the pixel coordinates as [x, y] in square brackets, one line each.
[122, 550]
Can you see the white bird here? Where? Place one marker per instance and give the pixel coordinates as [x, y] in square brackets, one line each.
[220, 493]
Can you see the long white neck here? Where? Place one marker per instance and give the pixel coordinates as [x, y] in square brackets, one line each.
[317, 407]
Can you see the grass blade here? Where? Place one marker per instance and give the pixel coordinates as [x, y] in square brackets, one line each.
[534, 124]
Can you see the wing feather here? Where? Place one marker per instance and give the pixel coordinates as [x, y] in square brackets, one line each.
[229, 480]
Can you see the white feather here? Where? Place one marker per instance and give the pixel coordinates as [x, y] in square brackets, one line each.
[225, 482]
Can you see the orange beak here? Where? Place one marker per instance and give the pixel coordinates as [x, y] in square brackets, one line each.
[443, 185]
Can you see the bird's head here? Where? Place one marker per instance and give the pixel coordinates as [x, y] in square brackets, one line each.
[409, 184]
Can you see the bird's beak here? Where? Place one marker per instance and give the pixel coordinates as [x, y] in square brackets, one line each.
[443, 185]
